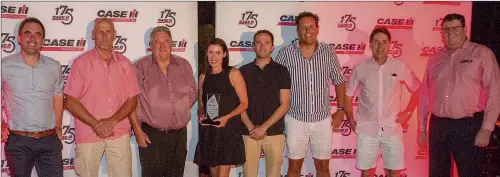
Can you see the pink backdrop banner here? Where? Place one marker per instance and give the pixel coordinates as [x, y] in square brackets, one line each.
[416, 34]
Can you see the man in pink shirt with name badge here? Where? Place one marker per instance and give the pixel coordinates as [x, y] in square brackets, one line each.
[380, 81]
[101, 92]
[460, 91]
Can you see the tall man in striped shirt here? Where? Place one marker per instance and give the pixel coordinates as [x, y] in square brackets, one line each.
[460, 91]
[311, 64]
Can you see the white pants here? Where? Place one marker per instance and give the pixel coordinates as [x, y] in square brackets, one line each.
[392, 151]
[298, 134]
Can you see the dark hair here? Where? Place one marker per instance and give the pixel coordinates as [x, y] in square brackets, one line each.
[30, 20]
[264, 32]
[306, 14]
[451, 17]
[380, 30]
[225, 60]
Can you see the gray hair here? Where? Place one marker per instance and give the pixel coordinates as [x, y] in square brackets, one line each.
[159, 29]
[100, 20]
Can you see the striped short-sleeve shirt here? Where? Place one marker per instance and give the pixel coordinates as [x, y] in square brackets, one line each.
[310, 91]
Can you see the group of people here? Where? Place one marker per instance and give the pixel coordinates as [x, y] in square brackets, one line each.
[262, 105]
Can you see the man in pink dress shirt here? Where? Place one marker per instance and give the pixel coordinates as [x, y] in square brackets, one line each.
[168, 91]
[380, 81]
[460, 91]
[101, 92]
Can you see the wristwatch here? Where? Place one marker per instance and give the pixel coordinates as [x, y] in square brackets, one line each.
[342, 108]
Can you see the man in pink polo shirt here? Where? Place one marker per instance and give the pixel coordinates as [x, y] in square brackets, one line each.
[380, 81]
[101, 92]
[460, 92]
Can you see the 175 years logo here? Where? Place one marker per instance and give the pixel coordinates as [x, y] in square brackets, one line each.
[249, 18]
[64, 14]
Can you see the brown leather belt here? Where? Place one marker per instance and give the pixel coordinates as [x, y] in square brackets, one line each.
[35, 134]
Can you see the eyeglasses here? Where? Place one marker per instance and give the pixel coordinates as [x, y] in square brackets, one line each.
[452, 28]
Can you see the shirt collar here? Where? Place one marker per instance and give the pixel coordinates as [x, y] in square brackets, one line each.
[372, 61]
[40, 61]
[297, 46]
[114, 55]
[271, 63]
[173, 59]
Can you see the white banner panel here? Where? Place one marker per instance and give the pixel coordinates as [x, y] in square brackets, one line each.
[416, 34]
[68, 34]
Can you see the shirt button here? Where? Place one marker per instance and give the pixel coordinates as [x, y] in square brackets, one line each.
[109, 99]
[110, 110]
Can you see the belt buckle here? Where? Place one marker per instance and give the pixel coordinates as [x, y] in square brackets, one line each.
[35, 135]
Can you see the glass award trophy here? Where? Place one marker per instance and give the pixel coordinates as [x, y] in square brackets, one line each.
[212, 109]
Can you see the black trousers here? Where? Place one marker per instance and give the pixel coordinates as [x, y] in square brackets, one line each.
[166, 155]
[23, 153]
[455, 137]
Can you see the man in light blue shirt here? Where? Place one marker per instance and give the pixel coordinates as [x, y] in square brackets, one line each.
[32, 88]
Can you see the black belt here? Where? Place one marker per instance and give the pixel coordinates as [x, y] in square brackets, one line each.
[475, 115]
[163, 130]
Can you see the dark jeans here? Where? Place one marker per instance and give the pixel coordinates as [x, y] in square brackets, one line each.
[455, 137]
[23, 153]
[166, 155]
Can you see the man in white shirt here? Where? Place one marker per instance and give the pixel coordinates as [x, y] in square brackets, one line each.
[379, 80]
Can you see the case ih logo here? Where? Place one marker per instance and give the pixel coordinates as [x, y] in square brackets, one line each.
[8, 45]
[396, 23]
[342, 173]
[5, 168]
[449, 3]
[438, 26]
[120, 44]
[63, 14]
[64, 45]
[344, 154]
[15, 12]
[242, 46]
[167, 16]
[248, 18]
[352, 49]
[68, 163]
[119, 16]
[429, 51]
[347, 22]
[396, 49]
[68, 134]
[287, 20]
[177, 46]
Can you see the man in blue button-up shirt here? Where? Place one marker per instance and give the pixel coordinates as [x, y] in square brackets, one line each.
[32, 89]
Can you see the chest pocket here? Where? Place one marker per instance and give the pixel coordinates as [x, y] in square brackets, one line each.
[391, 80]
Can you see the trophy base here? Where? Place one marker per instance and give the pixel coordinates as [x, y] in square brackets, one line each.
[210, 122]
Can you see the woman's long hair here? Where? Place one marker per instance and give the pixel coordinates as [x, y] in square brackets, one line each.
[225, 60]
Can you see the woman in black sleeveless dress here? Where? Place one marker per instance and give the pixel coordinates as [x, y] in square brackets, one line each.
[220, 146]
